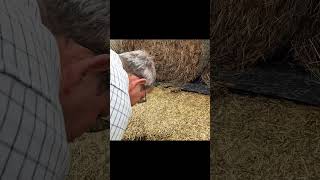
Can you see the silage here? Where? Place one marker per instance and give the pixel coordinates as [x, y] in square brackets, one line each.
[262, 138]
[90, 157]
[170, 115]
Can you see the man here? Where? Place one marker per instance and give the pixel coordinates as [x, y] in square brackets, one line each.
[84, 22]
[51, 86]
[131, 76]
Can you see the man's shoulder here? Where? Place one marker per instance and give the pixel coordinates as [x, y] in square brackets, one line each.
[25, 8]
[115, 59]
[116, 68]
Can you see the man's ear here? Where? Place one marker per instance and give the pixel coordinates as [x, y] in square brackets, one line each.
[136, 81]
[72, 74]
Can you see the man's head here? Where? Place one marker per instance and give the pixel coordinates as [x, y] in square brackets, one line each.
[81, 28]
[141, 71]
[87, 22]
[83, 93]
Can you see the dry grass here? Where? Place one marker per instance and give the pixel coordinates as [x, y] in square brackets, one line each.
[176, 61]
[169, 115]
[261, 138]
[90, 157]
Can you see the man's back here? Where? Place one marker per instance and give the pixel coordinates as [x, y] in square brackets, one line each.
[33, 141]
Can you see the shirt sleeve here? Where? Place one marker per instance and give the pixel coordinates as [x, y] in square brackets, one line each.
[120, 106]
[33, 141]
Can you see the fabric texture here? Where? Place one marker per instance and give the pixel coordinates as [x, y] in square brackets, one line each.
[120, 105]
[33, 143]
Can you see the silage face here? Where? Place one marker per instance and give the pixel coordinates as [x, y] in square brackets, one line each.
[245, 33]
[177, 61]
[251, 30]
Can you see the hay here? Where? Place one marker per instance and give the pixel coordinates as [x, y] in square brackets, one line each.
[261, 138]
[90, 157]
[244, 32]
[170, 115]
[176, 61]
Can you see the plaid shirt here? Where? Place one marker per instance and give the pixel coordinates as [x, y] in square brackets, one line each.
[33, 142]
[120, 105]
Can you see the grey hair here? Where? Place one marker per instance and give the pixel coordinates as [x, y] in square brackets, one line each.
[87, 22]
[139, 63]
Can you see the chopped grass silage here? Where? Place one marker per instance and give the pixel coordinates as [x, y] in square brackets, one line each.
[90, 157]
[170, 114]
[262, 138]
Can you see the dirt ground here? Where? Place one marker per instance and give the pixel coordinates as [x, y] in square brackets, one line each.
[90, 157]
[170, 114]
[263, 138]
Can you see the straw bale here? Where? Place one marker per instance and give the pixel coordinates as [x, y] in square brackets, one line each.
[176, 61]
